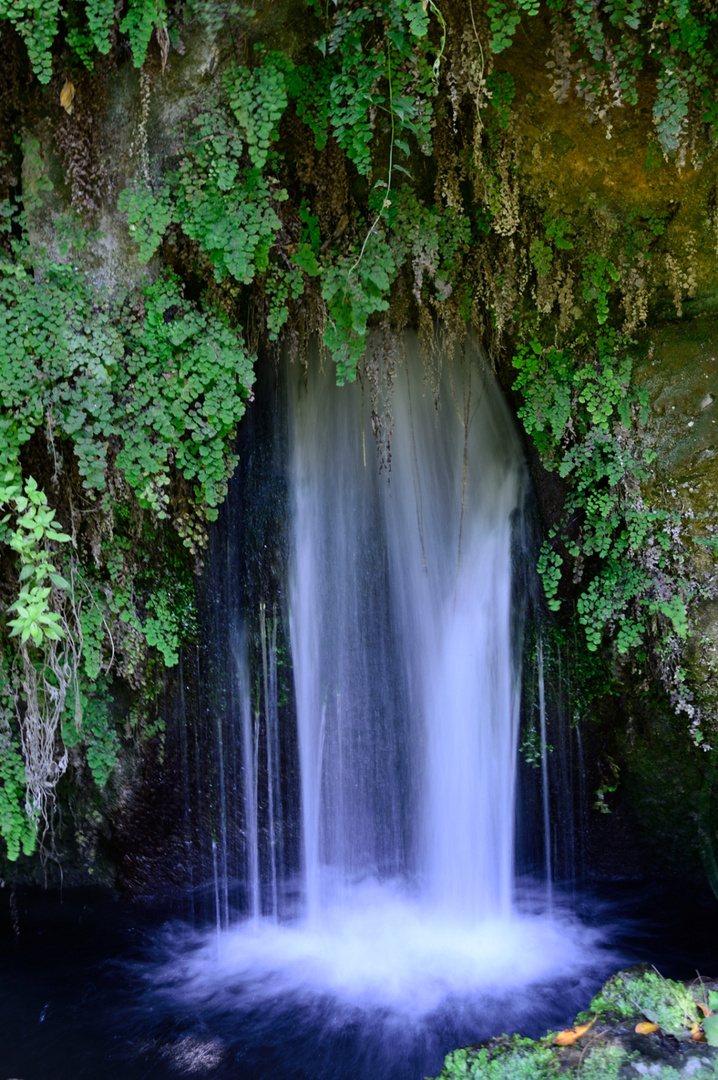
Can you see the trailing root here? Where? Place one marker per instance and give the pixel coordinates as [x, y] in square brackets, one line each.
[48, 675]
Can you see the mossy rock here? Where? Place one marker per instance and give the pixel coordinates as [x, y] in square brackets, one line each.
[669, 1004]
[679, 370]
[669, 1047]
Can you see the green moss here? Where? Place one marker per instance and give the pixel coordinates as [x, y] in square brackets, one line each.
[505, 1059]
[603, 1063]
[646, 993]
[610, 1049]
[561, 143]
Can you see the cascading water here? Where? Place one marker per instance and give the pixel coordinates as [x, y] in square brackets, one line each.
[400, 601]
[402, 625]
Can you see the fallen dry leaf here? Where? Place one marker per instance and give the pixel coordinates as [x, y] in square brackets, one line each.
[697, 1034]
[569, 1036]
[67, 96]
[163, 40]
[704, 1009]
[646, 1028]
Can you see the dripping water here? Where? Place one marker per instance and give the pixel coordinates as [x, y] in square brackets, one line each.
[249, 771]
[544, 773]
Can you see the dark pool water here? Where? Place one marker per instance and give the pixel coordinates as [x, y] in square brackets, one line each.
[94, 987]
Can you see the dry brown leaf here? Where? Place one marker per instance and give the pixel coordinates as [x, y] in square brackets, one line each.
[570, 1035]
[704, 1009]
[697, 1033]
[163, 40]
[67, 96]
[646, 1028]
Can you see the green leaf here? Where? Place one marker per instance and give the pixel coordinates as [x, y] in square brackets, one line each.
[710, 1027]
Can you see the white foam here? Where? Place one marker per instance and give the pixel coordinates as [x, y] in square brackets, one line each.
[374, 947]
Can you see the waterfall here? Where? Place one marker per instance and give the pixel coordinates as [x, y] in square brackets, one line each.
[363, 650]
[400, 620]
[349, 686]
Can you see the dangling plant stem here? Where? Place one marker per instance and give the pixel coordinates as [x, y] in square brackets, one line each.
[386, 202]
